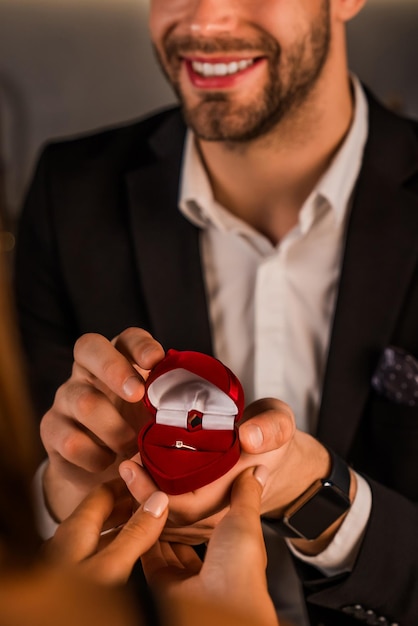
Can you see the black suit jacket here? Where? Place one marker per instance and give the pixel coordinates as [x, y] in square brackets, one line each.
[102, 246]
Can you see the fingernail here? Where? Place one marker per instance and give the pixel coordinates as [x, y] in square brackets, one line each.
[261, 473]
[156, 503]
[127, 474]
[255, 435]
[131, 386]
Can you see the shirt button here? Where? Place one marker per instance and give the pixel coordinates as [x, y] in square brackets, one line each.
[370, 617]
[354, 609]
[373, 620]
[359, 612]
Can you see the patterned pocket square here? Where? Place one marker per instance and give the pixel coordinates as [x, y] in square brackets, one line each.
[396, 376]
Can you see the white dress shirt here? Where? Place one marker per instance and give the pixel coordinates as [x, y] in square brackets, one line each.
[271, 309]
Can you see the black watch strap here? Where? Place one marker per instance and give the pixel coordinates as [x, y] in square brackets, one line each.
[340, 474]
[338, 482]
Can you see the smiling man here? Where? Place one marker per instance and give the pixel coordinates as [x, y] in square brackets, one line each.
[271, 221]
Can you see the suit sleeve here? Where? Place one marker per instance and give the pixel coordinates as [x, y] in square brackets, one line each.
[45, 315]
[384, 581]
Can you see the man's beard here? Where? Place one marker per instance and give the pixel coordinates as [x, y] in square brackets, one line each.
[216, 117]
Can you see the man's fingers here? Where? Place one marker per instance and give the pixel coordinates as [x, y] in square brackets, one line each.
[267, 424]
[105, 363]
[74, 445]
[166, 563]
[137, 479]
[187, 558]
[141, 348]
[87, 431]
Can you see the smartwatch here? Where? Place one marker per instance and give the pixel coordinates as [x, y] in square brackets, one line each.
[318, 507]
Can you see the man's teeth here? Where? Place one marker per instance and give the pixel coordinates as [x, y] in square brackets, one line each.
[221, 69]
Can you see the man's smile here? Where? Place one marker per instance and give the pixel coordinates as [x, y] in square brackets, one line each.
[219, 72]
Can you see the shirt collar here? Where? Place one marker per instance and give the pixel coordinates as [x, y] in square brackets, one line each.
[337, 183]
[197, 203]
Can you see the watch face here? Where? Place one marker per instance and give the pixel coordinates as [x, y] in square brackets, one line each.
[319, 511]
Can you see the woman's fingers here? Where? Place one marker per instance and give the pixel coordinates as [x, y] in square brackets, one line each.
[247, 490]
[242, 521]
[115, 562]
[79, 538]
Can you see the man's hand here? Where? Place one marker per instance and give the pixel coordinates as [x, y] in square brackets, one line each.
[93, 425]
[96, 415]
[268, 437]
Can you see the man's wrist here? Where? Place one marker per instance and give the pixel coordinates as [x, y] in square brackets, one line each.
[316, 514]
[340, 554]
[315, 546]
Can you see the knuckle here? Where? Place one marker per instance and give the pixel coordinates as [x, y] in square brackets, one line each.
[70, 446]
[137, 531]
[61, 395]
[84, 342]
[46, 428]
[112, 372]
[139, 340]
[85, 402]
[79, 450]
[136, 333]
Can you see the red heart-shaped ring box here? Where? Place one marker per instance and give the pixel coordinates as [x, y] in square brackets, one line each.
[192, 439]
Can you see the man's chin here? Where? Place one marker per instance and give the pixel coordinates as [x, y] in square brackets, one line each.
[216, 123]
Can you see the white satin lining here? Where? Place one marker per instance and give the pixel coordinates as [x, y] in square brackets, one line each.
[177, 392]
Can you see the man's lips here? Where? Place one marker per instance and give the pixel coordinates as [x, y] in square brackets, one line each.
[220, 72]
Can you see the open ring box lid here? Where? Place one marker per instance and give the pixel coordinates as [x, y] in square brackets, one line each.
[192, 439]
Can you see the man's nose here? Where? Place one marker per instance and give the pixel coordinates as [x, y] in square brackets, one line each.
[213, 17]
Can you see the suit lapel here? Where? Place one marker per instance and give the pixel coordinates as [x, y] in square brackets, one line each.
[167, 246]
[380, 257]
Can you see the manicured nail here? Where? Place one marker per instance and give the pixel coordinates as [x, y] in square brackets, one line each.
[261, 473]
[126, 474]
[131, 386]
[255, 435]
[156, 504]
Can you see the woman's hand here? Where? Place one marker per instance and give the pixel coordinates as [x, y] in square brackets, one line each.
[233, 572]
[108, 557]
